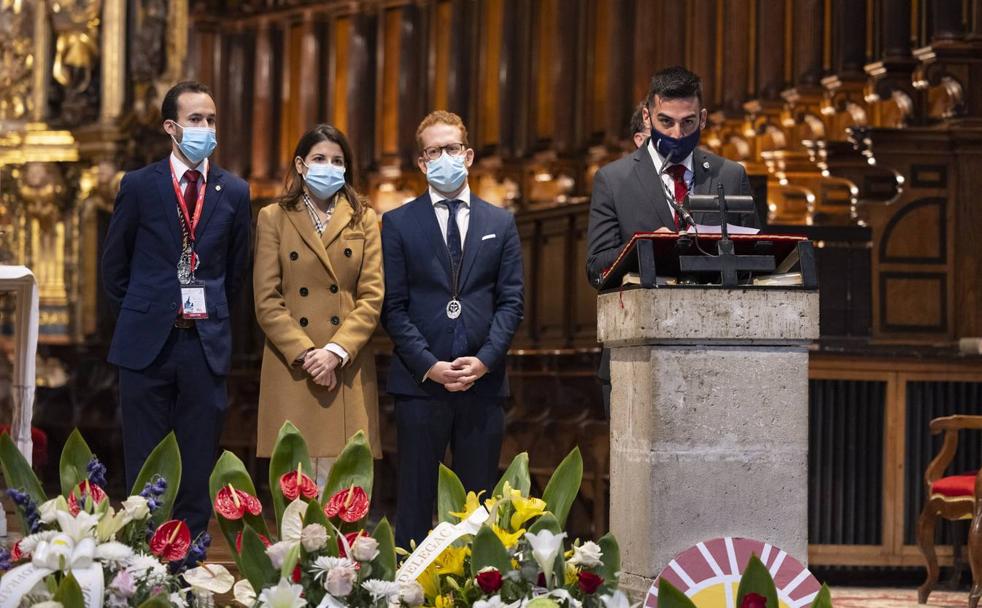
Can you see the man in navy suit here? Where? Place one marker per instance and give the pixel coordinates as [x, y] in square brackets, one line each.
[453, 300]
[175, 256]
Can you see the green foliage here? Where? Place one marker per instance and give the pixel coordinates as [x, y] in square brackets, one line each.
[73, 466]
[487, 550]
[354, 466]
[670, 597]
[823, 599]
[611, 558]
[253, 562]
[19, 474]
[450, 495]
[230, 470]
[384, 564]
[756, 579]
[165, 461]
[289, 451]
[69, 594]
[517, 476]
[564, 485]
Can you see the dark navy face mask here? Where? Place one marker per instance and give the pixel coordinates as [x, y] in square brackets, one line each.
[675, 149]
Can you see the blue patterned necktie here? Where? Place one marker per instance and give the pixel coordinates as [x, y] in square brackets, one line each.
[459, 347]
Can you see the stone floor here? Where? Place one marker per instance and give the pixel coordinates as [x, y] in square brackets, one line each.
[852, 597]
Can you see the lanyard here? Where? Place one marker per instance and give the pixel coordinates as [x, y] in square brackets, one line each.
[190, 222]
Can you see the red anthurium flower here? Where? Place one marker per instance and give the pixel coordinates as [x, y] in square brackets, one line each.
[589, 582]
[16, 554]
[76, 498]
[234, 504]
[238, 541]
[171, 541]
[489, 580]
[295, 484]
[350, 505]
[350, 537]
[753, 600]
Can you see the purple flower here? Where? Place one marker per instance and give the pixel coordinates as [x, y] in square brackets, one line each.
[28, 507]
[6, 563]
[196, 554]
[153, 491]
[96, 471]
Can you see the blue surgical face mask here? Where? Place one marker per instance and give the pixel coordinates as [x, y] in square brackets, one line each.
[447, 173]
[197, 143]
[675, 149]
[323, 180]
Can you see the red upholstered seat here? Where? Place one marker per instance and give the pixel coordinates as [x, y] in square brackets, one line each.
[954, 485]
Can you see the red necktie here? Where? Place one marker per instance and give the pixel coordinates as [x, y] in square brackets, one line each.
[191, 191]
[681, 189]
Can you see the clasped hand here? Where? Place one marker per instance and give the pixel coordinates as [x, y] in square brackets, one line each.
[322, 364]
[459, 374]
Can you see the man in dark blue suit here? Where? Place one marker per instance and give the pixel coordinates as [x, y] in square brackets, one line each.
[175, 256]
[453, 300]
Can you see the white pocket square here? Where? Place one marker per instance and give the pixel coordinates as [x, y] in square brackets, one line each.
[487, 236]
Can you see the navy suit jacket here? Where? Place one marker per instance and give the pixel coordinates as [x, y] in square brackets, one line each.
[417, 289]
[139, 263]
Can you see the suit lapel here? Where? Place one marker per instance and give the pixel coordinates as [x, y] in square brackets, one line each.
[214, 190]
[168, 201]
[652, 186]
[300, 219]
[704, 173]
[473, 241]
[339, 219]
[430, 230]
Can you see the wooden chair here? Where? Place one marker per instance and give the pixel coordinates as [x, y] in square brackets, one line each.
[954, 497]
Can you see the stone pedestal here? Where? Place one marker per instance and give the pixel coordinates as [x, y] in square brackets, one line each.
[709, 420]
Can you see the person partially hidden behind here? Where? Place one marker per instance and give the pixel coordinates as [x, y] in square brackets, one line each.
[630, 194]
[640, 129]
[453, 300]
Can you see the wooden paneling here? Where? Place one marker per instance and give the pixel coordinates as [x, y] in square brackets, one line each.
[263, 133]
[489, 75]
[809, 26]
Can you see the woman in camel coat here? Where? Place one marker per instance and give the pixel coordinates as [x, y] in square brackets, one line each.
[318, 293]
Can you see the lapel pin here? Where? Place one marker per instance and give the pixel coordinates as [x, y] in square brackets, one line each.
[705, 164]
[218, 187]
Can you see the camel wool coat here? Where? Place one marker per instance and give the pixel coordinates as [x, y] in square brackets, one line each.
[312, 290]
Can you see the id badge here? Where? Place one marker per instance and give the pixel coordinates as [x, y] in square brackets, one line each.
[193, 301]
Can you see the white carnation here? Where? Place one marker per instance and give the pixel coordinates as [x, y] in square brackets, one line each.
[313, 537]
[147, 568]
[411, 593]
[113, 552]
[364, 549]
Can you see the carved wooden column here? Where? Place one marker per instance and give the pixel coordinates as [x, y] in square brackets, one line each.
[263, 140]
[890, 77]
[949, 71]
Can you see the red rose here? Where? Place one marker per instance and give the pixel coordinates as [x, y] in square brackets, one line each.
[489, 580]
[238, 541]
[296, 573]
[295, 484]
[16, 554]
[76, 498]
[350, 504]
[753, 600]
[171, 541]
[589, 582]
[234, 504]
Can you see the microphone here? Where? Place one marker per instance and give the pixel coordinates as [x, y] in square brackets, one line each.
[680, 210]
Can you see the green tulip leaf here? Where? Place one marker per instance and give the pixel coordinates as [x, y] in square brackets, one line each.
[19, 474]
[489, 551]
[450, 495]
[253, 562]
[289, 451]
[74, 463]
[354, 466]
[164, 461]
[670, 597]
[611, 559]
[517, 476]
[564, 485]
[69, 594]
[823, 599]
[756, 579]
[384, 564]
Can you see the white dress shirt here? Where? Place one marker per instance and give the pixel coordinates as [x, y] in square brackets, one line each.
[443, 212]
[180, 169]
[666, 177]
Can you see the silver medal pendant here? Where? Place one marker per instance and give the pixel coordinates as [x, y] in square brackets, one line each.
[184, 269]
[453, 309]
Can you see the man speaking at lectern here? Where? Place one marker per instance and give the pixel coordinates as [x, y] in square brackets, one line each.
[632, 194]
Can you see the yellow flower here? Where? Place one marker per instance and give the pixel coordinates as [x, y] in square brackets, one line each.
[429, 580]
[525, 508]
[471, 503]
[451, 561]
[572, 573]
[508, 539]
[443, 601]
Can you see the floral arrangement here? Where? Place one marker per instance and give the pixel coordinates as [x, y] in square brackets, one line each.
[80, 551]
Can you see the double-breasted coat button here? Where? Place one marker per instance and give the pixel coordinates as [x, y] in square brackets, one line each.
[303, 291]
[347, 252]
[294, 255]
[303, 321]
[334, 288]
[335, 321]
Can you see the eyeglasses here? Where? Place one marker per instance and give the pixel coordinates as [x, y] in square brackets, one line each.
[435, 152]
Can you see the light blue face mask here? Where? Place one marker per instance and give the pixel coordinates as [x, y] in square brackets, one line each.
[447, 173]
[324, 180]
[197, 143]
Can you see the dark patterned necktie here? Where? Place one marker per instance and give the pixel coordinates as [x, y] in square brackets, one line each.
[191, 191]
[459, 346]
[681, 188]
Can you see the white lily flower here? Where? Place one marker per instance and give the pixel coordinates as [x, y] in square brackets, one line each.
[48, 509]
[79, 526]
[214, 578]
[587, 555]
[495, 601]
[617, 599]
[283, 595]
[545, 547]
[63, 553]
[243, 592]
